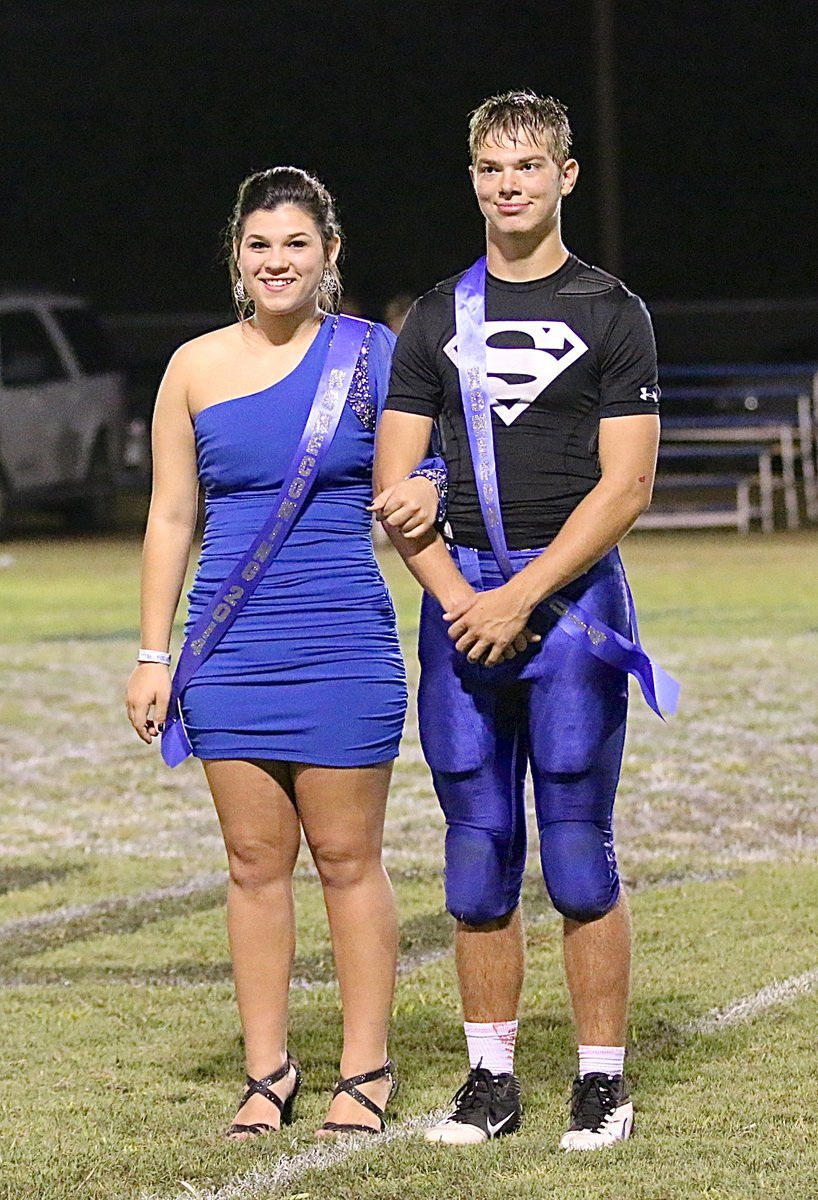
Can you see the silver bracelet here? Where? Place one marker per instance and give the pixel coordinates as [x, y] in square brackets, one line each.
[153, 656]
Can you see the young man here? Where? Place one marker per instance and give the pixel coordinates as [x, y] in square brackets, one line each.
[510, 676]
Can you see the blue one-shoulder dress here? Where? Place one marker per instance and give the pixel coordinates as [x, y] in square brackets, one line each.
[311, 669]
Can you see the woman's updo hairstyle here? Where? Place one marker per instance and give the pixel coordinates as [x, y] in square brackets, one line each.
[265, 191]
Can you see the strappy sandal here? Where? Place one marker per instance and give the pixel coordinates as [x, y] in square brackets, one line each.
[263, 1087]
[350, 1086]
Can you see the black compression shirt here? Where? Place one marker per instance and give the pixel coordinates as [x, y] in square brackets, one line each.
[562, 353]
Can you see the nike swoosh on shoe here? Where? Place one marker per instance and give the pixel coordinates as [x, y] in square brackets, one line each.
[493, 1130]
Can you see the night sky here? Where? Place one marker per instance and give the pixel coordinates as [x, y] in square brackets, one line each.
[127, 127]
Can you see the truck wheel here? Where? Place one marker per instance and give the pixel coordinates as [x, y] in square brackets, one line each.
[93, 511]
[5, 506]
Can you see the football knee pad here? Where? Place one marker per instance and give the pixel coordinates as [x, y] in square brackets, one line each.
[484, 874]
[579, 868]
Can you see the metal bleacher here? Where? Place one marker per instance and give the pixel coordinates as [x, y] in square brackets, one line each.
[738, 446]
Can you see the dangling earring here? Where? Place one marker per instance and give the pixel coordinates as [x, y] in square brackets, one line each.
[238, 290]
[330, 285]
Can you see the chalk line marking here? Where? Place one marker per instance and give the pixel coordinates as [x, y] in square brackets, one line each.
[260, 1182]
[256, 1183]
[111, 906]
[747, 1008]
[114, 904]
[202, 883]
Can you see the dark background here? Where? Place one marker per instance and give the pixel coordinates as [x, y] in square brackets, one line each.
[127, 127]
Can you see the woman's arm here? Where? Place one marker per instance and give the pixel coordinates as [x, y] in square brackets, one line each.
[413, 504]
[169, 533]
[416, 504]
[401, 443]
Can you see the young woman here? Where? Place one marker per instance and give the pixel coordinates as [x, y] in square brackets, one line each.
[296, 707]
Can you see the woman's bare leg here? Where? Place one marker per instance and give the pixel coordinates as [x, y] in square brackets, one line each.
[342, 813]
[262, 835]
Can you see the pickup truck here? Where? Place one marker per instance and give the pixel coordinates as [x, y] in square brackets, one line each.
[61, 410]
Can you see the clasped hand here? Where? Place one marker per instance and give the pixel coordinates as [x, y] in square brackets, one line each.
[490, 626]
[410, 506]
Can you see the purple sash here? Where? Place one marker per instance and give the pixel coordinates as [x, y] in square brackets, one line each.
[328, 405]
[658, 688]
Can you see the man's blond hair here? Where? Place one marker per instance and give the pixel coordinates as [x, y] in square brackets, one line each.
[512, 114]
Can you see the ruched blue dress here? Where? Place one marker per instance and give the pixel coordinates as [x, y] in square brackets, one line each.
[311, 670]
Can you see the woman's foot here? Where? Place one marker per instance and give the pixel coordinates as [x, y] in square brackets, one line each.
[259, 1113]
[349, 1115]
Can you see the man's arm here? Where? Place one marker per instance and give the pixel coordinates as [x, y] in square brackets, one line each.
[627, 457]
[401, 442]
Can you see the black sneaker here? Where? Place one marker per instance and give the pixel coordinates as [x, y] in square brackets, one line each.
[487, 1106]
[601, 1112]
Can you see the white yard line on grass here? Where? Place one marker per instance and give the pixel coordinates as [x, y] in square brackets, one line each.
[287, 1170]
[746, 1008]
[202, 883]
[405, 967]
[113, 904]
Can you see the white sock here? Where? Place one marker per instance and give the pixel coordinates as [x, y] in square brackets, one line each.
[610, 1060]
[491, 1045]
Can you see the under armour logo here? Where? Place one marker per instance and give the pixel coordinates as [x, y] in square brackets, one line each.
[651, 394]
[517, 375]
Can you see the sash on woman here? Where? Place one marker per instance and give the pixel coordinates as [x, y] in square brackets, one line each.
[661, 692]
[232, 595]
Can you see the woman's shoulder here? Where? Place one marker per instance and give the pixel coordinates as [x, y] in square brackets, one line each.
[208, 347]
[203, 358]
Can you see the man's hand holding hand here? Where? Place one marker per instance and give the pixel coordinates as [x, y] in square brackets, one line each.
[490, 626]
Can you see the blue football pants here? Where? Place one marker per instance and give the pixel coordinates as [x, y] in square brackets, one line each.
[555, 710]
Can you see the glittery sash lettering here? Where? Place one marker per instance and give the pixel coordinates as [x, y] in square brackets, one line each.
[661, 692]
[330, 396]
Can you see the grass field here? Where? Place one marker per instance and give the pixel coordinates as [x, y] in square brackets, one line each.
[121, 1060]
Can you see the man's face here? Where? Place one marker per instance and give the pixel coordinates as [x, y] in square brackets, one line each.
[519, 186]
